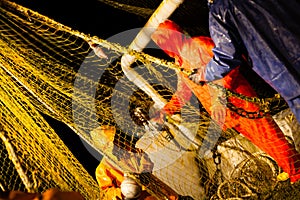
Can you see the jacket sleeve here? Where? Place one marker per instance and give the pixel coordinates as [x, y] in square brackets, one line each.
[189, 52]
[228, 45]
[109, 179]
[179, 99]
[170, 39]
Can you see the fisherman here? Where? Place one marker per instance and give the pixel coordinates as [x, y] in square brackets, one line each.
[191, 53]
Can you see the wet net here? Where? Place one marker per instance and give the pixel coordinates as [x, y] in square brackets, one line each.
[49, 68]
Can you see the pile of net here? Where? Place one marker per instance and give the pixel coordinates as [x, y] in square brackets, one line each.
[47, 68]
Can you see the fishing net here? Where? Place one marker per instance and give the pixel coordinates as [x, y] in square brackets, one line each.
[48, 68]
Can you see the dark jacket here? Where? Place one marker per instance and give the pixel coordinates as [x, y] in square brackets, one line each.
[268, 31]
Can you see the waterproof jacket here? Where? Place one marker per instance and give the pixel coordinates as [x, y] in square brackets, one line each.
[267, 31]
[263, 132]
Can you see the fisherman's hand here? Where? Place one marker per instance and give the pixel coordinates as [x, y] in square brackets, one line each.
[158, 117]
[198, 76]
[218, 105]
[161, 117]
[218, 113]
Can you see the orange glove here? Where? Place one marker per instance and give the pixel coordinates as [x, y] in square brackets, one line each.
[109, 179]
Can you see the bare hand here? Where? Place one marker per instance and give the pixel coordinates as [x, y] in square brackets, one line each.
[218, 113]
[198, 75]
[158, 117]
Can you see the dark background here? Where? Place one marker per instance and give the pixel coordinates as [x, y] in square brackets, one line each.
[88, 16]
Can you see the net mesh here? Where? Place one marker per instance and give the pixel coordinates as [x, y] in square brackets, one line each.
[49, 68]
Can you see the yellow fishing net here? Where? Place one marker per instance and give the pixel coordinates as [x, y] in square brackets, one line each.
[48, 68]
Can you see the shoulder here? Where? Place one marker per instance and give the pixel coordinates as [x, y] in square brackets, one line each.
[223, 11]
[221, 5]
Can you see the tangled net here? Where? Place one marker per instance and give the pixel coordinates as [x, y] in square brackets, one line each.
[49, 68]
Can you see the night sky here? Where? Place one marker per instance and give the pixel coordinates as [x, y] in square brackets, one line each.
[88, 16]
